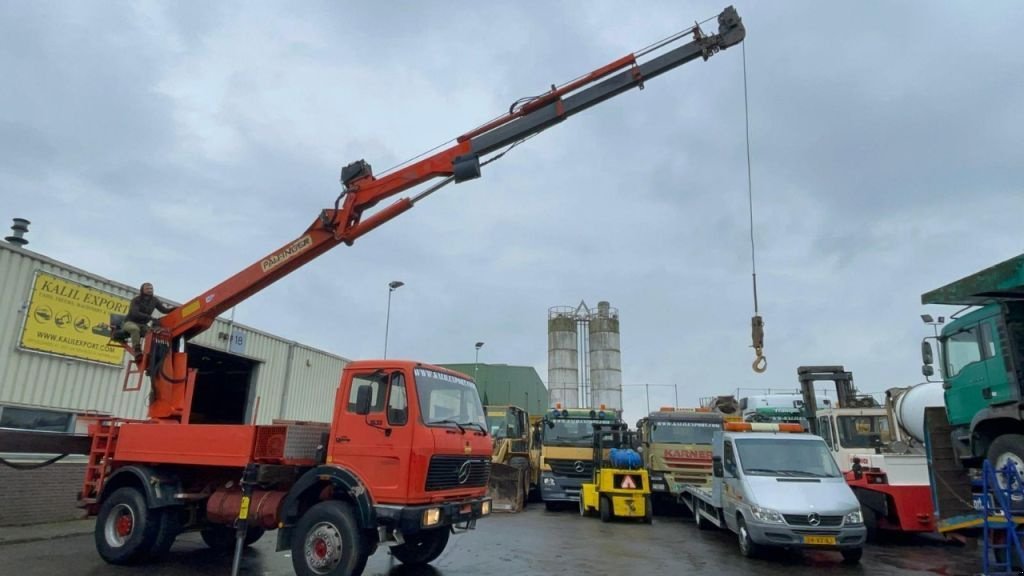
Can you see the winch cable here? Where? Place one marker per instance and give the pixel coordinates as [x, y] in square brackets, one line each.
[760, 363]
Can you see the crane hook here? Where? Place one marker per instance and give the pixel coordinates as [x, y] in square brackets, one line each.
[757, 335]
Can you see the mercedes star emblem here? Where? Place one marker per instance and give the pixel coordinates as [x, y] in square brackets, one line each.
[464, 471]
[813, 519]
[578, 466]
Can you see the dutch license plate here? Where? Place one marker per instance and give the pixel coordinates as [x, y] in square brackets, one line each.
[820, 540]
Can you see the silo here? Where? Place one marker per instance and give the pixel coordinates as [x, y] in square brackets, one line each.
[605, 357]
[563, 355]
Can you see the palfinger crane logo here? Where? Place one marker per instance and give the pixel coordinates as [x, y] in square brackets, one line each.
[278, 258]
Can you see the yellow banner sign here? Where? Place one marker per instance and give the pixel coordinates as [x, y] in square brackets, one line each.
[71, 319]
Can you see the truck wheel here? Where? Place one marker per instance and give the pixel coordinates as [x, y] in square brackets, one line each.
[170, 527]
[523, 464]
[870, 523]
[852, 555]
[221, 537]
[606, 509]
[747, 546]
[126, 529]
[701, 522]
[328, 542]
[422, 547]
[648, 510]
[1007, 448]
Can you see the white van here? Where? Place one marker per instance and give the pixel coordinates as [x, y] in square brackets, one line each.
[775, 486]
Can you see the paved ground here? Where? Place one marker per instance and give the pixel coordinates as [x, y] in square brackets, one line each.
[531, 543]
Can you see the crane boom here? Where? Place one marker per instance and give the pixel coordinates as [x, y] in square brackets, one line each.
[459, 162]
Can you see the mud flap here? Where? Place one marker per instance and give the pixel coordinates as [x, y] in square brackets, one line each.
[507, 488]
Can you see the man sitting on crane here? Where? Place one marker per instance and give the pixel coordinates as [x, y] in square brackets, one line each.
[140, 314]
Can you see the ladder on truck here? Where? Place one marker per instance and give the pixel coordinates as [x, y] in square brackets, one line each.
[1002, 541]
[104, 437]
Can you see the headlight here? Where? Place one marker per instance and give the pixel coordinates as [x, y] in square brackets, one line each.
[431, 516]
[485, 508]
[549, 481]
[766, 515]
[854, 517]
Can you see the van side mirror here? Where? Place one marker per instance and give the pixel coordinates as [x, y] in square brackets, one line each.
[716, 466]
[363, 398]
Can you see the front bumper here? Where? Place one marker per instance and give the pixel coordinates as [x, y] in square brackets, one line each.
[559, 488]
[787, 536]
[410, 519]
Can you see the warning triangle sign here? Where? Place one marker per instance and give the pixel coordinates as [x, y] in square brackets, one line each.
[627, 483]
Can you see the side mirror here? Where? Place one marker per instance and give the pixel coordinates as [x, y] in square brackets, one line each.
[716, 466]
[926, 354]
[364, 397]
[928, 370]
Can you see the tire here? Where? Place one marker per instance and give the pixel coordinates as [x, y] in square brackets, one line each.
[170, 528]
[523, 464]
[870, 523]
[1007, 447]
[583, 509]
[605, 506]
[551, 506]
[852, 555]
[221, 537]
[422, 547]
[329, 533]
[126, 530]
[747, 546]
[648, 510]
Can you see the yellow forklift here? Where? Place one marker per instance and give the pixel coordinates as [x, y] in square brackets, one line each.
[620, 486]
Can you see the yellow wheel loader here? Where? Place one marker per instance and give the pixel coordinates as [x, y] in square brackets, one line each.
[509, 486]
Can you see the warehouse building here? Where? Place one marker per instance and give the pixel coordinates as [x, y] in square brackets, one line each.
[502, 384]
[55, 364]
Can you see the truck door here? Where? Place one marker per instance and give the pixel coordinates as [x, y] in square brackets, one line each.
[730, 479]
[376, 446]
[969, 390]
[998, 386]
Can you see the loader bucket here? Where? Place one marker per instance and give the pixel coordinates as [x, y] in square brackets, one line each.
[506, 488]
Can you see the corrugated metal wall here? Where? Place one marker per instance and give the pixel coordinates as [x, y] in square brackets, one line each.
[302, 391]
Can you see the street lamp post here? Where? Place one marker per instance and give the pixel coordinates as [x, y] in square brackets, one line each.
[392, 286]
[476, 362]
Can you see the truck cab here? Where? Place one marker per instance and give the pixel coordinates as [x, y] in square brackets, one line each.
[565, 437]
[775, 486]
[852, 432]
[676, 447]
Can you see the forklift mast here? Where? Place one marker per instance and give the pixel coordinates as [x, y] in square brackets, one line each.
[845, 390]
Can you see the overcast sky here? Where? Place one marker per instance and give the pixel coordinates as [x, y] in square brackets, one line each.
[179, 142]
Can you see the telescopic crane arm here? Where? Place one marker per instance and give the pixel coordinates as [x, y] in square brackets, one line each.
[348, 219]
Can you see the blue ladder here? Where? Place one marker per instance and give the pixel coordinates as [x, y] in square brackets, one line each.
[999, 518]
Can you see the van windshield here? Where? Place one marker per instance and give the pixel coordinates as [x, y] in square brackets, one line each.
[782, 457]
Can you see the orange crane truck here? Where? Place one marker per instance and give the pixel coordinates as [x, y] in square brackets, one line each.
[405, 460]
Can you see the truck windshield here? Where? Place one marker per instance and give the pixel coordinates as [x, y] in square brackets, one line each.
[863, 431]
[569, 432]
[448, 399]
[781, 457]
[683, 432]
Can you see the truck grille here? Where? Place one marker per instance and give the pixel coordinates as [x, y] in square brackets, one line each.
[447, 472]
[802, 520]
[571, 468]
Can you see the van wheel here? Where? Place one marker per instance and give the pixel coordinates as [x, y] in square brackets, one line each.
[702, 522]
[422, 547]
[747, 546]
[328, 541]
[606, 509]
[852, 555]
[126, 530]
